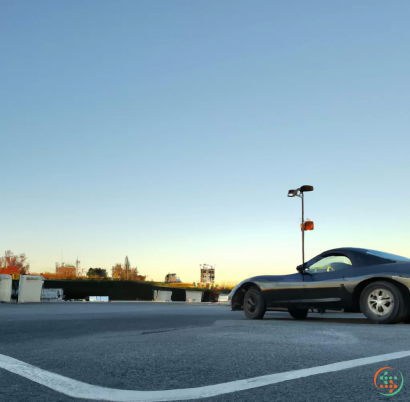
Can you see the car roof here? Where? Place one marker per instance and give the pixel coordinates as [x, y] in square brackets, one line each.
[371, 256]
[359, 250]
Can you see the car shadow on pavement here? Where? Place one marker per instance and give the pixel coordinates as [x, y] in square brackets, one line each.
[325, 320]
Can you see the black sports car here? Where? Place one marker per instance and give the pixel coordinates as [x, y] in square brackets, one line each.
[350, 279]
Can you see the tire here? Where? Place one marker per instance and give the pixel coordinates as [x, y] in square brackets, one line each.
[404, 315]
[254, 305]
[382, 303]
[298, 313]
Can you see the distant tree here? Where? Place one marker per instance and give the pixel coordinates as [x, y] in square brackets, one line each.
[126, 274]
[117, 272]
[12, 262]
[102, 273]
[97, 273]
[133, 274]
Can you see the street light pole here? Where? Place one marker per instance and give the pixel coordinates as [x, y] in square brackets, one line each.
[303, 232]
[299, 192]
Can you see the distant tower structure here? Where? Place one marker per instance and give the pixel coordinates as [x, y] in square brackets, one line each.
[207, 273]
[77, 264]
[127, 267]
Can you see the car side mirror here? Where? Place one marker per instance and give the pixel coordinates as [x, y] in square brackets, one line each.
[300, 269]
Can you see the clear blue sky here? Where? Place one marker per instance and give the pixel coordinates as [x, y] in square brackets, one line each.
[171, 131]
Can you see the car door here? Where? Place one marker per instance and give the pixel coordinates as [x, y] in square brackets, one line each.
[327, 277]
[285, 290]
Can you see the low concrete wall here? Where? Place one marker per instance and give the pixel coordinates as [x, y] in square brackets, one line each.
[193, 296]
[30, 288]
[99, 299]
[5, 287]
[52, 294]
[164, 295]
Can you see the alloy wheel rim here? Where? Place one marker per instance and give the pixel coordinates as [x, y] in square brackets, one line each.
[251, 304]
[380, 302]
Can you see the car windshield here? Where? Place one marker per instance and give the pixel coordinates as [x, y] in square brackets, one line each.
[388, 256]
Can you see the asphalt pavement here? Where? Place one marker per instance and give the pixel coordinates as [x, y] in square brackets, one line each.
[168, 346]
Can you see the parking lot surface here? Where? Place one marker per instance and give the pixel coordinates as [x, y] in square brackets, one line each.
[176, 346]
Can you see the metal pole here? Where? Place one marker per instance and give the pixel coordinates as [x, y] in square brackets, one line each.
[303, 235]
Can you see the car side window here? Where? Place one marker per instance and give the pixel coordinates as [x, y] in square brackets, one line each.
[329, 264]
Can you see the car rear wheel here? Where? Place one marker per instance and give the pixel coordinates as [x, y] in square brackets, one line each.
[298, 313]
[254, 305]
[382, 303]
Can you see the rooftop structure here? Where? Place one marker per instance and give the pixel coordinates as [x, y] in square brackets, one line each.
[207, 273]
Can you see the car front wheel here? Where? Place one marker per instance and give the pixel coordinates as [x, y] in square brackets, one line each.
[382, 303]
[254, 304]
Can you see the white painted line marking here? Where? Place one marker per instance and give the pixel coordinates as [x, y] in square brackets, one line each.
[78, 389]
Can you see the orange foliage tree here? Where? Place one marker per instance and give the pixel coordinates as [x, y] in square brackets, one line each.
[126, 274]
[13, 263]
